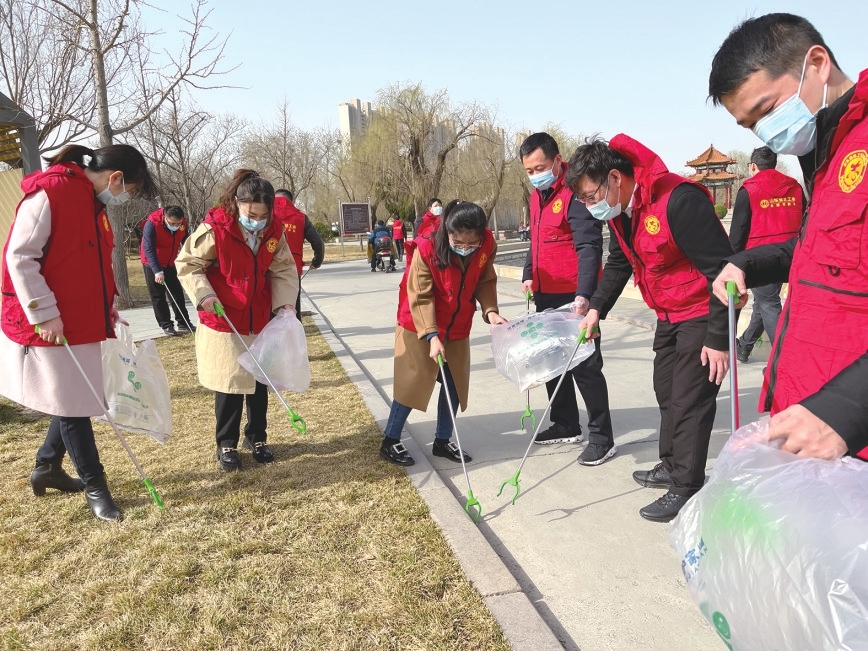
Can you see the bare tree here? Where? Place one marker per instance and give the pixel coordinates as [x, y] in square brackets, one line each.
[112, 38]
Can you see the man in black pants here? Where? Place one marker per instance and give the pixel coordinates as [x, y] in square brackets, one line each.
[768, 210]
[664, 231]
[562, 267]
[163, 235]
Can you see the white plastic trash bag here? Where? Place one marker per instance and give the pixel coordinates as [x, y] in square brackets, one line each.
[281, 350]
[775, 548]
[530, 350]
[136, 386]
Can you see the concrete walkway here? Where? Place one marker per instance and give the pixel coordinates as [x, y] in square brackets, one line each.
[598, 576]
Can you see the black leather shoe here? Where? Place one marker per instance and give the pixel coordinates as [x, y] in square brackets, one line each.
[261, 452]
[52, 475]
[170, 331]
[664, 508]
[741, 353]
[395, 453]
[184, 329]
[657, 477]
[100, 500]
[228, 458]
[449, 450]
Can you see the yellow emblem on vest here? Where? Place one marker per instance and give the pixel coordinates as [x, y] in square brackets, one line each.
[764, 203]
[182, 228]
[482, 259]
[652, 224]
[557, 206]
[105, 222]
[271, 245]
[852, 170]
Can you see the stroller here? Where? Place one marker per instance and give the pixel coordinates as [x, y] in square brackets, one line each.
[383, 253]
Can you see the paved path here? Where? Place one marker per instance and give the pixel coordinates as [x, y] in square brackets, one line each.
[600, 576]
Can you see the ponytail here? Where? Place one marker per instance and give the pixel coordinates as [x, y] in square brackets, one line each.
[118, 158]
[70, 154]
[246, 186]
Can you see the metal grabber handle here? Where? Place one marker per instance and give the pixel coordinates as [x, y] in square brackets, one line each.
[732, 297]
[527, 410]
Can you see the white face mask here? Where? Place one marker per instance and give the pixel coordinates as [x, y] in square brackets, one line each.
[437, 210]
[109, 199]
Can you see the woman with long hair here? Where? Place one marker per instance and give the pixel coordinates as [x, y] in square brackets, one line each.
[451, 271]
[57, 275]
[237, 257]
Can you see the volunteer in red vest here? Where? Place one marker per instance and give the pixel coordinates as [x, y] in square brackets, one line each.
[777, 76]
[768, 210]
[428, 222]
[665, 233]
[163, 233]
[562, 267]
[451, 270]
[398, 236]
[57, 275]
[237, 257]
[297, 228]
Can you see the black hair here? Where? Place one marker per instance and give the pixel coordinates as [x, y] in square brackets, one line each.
[458, 216]
[380, 222]
[173, 211]
[246, 186]
[775, 43]
[432, 201]
[594, 158]
[764, 158]
[286, 194]
[117, 158]
[540, 140]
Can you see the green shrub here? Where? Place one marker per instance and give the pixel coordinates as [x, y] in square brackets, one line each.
[324, 230]
[721, 210]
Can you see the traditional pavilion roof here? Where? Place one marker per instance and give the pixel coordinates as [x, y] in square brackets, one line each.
[718, 175]
[710, 156]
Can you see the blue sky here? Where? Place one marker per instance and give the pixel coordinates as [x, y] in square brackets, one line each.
[634, 67]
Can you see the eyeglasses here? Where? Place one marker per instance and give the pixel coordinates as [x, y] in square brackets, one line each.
[464, 246]
[585, 198]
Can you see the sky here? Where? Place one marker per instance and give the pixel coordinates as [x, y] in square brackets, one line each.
[637, 67]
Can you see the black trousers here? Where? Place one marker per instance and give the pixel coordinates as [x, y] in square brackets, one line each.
[75, 436]
[399, 244]
[765, 315]
[161, 303]
[589, 377]
[228, 408]
[687, 400]
[298, 301]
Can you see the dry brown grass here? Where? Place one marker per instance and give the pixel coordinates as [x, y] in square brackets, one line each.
[328, 548]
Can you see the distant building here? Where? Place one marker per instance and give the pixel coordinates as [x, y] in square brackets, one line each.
[711, 171]
[520, 137]
[354, 118]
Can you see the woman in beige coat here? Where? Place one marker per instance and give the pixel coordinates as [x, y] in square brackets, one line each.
[450, 272]
[237, 258]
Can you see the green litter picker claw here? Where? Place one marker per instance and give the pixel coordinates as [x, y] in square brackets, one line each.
[514, 480]
[527, 410]
[471, 500]
[296, 421]
[148, 484]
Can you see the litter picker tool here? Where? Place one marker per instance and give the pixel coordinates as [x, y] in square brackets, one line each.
[296, 421]
[527, 410]
[305, 273]
[732, 296]
[471, 501]
[150, 486]
[178, 309]
[513, 481]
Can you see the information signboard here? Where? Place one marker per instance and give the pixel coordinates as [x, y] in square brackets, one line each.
[355, 218]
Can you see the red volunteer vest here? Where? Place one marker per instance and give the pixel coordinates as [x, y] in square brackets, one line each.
[398, 229]
[555, 264]
[775, 207]
[829, 272]
[668, 281]
[76, 265]
[430, 224]
[293, 222]
[453, 290]
[168, 243]
[239, 278]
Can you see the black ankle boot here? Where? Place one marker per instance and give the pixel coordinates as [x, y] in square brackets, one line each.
[50, 474]
[100, 500]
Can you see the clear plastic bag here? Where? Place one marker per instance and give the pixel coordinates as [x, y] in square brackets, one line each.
[136, 386]
[532, 349]
[775, 548]
[281, 350]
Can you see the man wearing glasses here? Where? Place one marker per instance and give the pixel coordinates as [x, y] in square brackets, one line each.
[562, 267]
[665, 234]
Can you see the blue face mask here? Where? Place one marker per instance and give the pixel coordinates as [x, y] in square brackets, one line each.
[464, 252]
[602, 210]
[790, 128]
[543, 180]
[172, 228]
[251, 225]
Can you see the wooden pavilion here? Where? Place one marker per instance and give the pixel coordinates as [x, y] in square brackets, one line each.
[712, 171]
